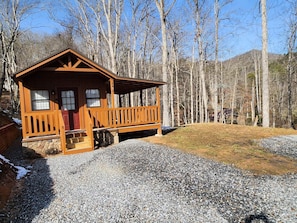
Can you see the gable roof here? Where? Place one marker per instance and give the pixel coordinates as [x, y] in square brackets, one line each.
[71, 61]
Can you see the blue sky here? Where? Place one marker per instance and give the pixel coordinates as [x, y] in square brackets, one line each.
[246, 31]
[242, 32]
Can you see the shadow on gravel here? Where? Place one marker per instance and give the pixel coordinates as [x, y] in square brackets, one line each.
[143, 134]
[32, 193]
[255, 218]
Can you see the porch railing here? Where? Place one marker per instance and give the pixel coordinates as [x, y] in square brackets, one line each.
[43, 123]
[121, 117]
[40, 123]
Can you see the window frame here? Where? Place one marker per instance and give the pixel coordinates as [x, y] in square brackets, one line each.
[44, 103]
[88, 98]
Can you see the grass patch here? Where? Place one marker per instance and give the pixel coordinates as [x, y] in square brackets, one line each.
[231, 144]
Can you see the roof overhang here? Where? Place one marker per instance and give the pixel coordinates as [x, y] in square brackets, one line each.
[126, 85]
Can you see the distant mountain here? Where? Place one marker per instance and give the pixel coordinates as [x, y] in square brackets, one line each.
[248, 57]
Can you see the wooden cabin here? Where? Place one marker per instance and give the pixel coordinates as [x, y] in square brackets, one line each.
[68, 103]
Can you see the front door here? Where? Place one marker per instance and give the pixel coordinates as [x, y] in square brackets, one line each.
[69, 106]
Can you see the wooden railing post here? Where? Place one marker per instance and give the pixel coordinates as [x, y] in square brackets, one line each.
[112, 96]
[89, 127]
[62, 132]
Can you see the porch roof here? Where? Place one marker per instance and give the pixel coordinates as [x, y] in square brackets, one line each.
[71, 61]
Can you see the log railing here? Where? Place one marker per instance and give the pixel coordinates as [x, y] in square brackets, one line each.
[40, 123]
[121, 117]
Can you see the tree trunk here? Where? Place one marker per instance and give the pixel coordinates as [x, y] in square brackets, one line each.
[171, 94]
[265, 81]
[290, 66]
[202, 75]
[191, 85]
[222, 119]
[253, 102]
[216, 61]
[163, 16]
[177, 92]
[233, 97]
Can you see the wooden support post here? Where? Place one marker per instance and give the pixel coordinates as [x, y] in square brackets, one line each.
[158, 103]
[141, 99]
[115, 135]
[113, 116]
[22, 104]
[111, 82]
[120, 100]
[129, 99]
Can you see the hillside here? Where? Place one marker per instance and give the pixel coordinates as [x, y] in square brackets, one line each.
[248, 57]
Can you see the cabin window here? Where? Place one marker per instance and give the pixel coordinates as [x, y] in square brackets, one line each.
[40, 100]
[93, 98]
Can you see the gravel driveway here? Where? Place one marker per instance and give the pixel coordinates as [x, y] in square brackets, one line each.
[135, 181]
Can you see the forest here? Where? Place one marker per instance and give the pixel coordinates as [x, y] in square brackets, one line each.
[183, 43]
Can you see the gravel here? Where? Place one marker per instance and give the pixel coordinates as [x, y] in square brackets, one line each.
[282, 145]
[136, 181]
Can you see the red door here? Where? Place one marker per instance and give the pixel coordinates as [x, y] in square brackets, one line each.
[69, 107]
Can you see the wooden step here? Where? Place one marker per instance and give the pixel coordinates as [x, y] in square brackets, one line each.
[75, 133]
[78, 145]
[78, 142]
[77, 139]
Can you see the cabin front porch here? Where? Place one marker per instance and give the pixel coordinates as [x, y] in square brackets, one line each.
[69, 103]
[45, 130]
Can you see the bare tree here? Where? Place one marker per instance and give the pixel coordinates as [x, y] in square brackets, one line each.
[265, 81]
[12, 13]
[175, 39]
[163, 13]
[201, 15]
[97, 23]
[257, 78]
[217, 10]
[291, 58]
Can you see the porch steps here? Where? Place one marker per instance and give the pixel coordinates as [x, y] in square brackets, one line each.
[77, 140]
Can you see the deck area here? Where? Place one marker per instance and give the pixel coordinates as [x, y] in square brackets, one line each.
[102, 126]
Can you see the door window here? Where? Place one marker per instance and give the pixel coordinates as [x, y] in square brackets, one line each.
[68, 100]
